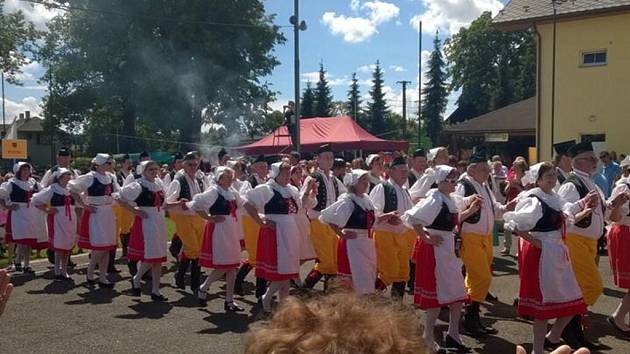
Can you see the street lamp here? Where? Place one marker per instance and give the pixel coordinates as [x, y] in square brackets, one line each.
[554, 3]
[297, 27]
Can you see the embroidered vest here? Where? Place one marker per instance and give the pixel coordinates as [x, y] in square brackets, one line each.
[147, 198]
[220, 207]
[19, 195]
[360, 219]
[58, 200]
[551, 219]
[98, 189]
[184, 188]
[445, 220]
[391, 199]
[322, 198]
[469, 189]
[411, 178]
[280, 205]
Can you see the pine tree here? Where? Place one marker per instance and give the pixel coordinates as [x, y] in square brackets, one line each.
[323, 95]
[377, 109]
[354, 101]
[435, 93]
[307, 105]
[526, 86]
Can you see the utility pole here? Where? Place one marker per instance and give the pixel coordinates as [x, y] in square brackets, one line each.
[419, 84]
[297, 27]
[404, 103]
[4, 125]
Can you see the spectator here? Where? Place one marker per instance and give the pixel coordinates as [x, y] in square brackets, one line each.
[610, 170]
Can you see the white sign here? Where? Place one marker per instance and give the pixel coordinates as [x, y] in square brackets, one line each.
[496, 137]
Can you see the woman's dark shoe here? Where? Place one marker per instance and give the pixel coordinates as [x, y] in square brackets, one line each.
[612, 322]
[160, 297]
[105, 285]
[202, 298]
[135, 291]
[549, 345]
[232, 307]
[28, 270]
[451, 343]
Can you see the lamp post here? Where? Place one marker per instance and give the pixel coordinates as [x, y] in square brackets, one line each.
[4, 126]
[554, 3]
[419, 84]
[297, 27]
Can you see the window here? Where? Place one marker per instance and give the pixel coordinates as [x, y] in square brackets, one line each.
[595, 58]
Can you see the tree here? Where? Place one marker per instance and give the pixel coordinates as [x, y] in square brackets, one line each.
[487, 65]
[17, 39]
[435, 93]
[162, 71]
[307, 105]
[527, 71]
[354, 101]
[377, 109]
[323, 95]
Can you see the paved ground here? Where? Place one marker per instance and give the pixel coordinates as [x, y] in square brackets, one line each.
[44, 316]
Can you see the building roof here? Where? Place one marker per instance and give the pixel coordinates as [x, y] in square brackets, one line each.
[519, 117]
[521, 13]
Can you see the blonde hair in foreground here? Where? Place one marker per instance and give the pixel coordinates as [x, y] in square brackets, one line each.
[341, 323]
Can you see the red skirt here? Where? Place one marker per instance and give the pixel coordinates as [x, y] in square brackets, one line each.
[32, 242]
[84, 235]
[425, 291]
[135, 249]
[530, 299]
[50, 222]
[343, 264]
[619, 254]
[267, 257]
[206, 258]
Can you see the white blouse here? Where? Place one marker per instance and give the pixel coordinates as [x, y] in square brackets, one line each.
[427, 209]
[341, 210]
[7, 187]
[203, 201]
[263, 193]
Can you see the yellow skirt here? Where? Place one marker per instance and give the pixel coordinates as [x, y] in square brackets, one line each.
[325, 244]
[582, 252]
[190, 230]
[250, 236]
[476, 253]
[124, 220]
[393, 252]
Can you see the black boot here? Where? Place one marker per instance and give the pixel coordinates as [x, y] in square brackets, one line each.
[50, 254]
[312, 278]
[471, 323]
[261, 287]
[111, 268]
[570, 334]
[240, 277]
[411, 283]
[124, 240]
[180, 276]
[195, 276]
[398, 290]
[133, 267]
[176, 246]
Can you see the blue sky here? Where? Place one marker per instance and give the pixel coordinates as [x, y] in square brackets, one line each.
[345, 35]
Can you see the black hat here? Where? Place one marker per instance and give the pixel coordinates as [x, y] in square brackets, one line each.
[324, 148]
[222, 153]
[144, 154]
[579, 148]
[259, 158]
[177, 156]
[123, 157]
[63, 151]
[339, 163]
[192, 155]
[563, 147]
[479, 155]
[272, 159]
[397, 161]
[295, 154]
[419, 152]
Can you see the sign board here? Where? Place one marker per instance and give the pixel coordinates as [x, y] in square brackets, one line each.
[496, 137]
[533, 155]
[14, 149]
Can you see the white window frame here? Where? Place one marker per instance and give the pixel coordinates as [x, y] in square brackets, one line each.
[588, 65]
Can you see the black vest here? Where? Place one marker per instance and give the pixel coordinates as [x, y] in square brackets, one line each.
[278, 204]
[221, 206]
[360, 219]
[469, 190]
[120, 178]
[322, 198]
[147, 198]
[19, 195]
[58, 200]
[551, 219]
[444, 221]
[98, 189]
[252, 181]
[582, 191]
[391, 199]
[561, 177]
[411, 179]
[184, 188]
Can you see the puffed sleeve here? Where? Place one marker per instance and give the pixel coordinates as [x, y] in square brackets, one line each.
[114, 182]
[130, 178]
[81, 183]
[42, 197]
[47, 179]
[569, 193]
[424, 212]
[130, 192]
[422, 185]
[5, 190]
[618, 189]
[259, 196]
[203, 201]
[458, 197]
[338, 212]
[172, 193]
[525, 216]
[245, 187]
[342, 187]
[377, 197]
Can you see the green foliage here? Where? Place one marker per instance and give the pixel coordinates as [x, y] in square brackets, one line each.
[17, 40]
[307, 103]
[323, 95]
[377, 109]
[354, 102]
[435, 93]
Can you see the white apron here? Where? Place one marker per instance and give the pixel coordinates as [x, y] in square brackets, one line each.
[64, 228]
[449, 281]
[556, 277]
[288, 243]
[362, 260]
[103, 226]
[154, 233]
[226, 245]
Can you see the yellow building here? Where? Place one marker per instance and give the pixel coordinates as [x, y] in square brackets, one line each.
[592, 69]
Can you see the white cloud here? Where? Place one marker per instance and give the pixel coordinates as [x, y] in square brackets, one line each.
[312, 77]
[30, 72]
[36, 13]
[13, 109]
[450, 15]
[366, 68]
[397, 68]
[339, 81]
[355, 29]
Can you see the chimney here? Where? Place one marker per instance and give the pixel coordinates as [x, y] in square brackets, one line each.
[28, 115]
[21, 116]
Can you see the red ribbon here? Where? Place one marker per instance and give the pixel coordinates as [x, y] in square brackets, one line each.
[67, 202]
[370, 222]
[232, 208]
[292, 205]
[29, 195]
[108, 189]
[157, 199]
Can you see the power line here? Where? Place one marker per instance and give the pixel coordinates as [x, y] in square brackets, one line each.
[122, 14]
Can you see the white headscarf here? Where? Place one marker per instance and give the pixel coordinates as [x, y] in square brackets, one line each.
[60, 172]
[101, 159]
[274, 171]
[353, 177]
[19, 165]
[142, 166]
[531, 176]
[625, 162]
[433, 153]
[371, 158]
[218, 172]
[441, 172]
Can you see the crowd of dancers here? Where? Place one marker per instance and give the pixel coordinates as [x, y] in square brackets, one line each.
[423, 222]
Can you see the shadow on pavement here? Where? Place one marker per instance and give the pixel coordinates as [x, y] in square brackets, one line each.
[152, 310]
[504, 266]
[95, 296]
[55, 287]
[227, 322]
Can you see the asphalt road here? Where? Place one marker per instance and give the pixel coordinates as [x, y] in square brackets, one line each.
[44, 316]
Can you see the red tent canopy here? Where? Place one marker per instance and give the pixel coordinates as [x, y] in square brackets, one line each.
[342, 133]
